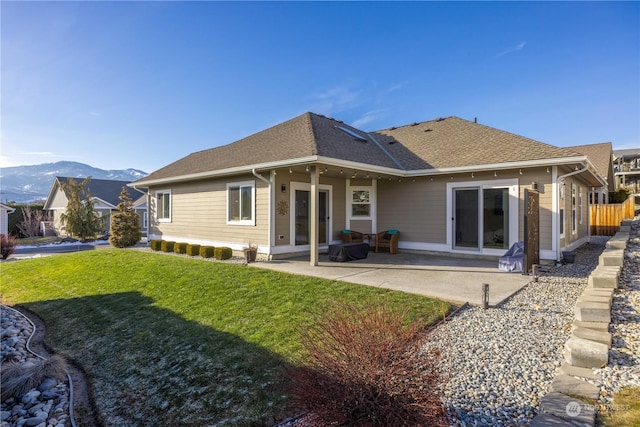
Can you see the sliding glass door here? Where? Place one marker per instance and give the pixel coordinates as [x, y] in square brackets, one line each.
[480, 218]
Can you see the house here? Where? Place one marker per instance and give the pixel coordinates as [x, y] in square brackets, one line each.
[626, 166]
[448, 185]
[106, 197]
[601, 156]
[4, 218]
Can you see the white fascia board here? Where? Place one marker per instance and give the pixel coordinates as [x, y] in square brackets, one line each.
[347, 164]
[499, 166]
[229, 171]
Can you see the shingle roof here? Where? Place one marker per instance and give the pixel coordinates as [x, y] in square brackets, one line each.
[455, 142]
[105, 189]
[600, 156]
[443, 143]
[306, 135]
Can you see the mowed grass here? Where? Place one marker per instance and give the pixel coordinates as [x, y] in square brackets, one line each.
[170, 340]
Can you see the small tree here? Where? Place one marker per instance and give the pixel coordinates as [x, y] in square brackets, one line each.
[620, 195]
[31, 220]
[80, 218]
[125, 224]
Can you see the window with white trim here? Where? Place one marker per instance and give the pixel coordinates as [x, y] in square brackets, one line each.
[163, 207]
[574, 217]
[562, 205]
[360, 202]
[241, 203]
[580, 205]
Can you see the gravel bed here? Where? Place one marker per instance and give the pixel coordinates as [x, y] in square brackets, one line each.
[47, 404]
[498, 363]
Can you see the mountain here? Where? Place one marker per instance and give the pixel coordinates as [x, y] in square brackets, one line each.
[26, 184]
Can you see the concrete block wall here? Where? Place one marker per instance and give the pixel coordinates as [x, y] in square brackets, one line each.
[588, 347]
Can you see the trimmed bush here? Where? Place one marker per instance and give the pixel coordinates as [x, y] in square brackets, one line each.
[7, 245]
[366, 367]
[167, 246]
[155, 245]
[223, 253]
[180, 248]
[193, 250]
[207, 251]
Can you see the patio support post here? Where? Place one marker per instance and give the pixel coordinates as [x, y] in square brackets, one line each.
[313, 214]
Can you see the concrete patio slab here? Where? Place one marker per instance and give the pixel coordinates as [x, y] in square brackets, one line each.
[453, 279]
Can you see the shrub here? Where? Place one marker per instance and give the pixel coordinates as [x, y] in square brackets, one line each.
[7, 245]
[223, 253]
[207, 251]
[193, 250]
[365, 367]
[167, 246]
[180, 248]
[155, 245]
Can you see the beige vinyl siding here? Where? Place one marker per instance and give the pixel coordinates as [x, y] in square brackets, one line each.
[199, 213]
[417, 209]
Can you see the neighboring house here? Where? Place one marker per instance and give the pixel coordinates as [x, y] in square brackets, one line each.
[448, 185]
[105, 194]
[626, 166]
[4, 218]
[601, 156]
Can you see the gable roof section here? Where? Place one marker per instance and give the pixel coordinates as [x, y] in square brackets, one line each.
[103, 189]
[302, 138]
[601, 156]
[453, 142]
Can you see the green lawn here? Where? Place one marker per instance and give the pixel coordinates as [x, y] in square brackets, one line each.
[170, 340]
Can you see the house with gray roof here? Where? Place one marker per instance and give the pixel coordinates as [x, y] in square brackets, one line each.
[627, 169]
[601, 156]
[105, 194]
[448, 185]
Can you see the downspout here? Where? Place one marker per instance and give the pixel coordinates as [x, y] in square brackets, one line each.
[561, 179]
[263, 179]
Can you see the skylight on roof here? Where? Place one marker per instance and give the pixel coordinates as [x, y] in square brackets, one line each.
[352, 133]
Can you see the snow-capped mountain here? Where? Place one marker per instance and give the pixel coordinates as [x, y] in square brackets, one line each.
[25, 184]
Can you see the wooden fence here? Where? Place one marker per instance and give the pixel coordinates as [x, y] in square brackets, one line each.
[605, 219]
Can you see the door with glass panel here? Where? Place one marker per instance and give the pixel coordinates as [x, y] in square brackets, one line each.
[302, 216]
[465, 220]
[481, 218]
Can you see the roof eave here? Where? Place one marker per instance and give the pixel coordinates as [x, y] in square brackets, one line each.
[500, 166]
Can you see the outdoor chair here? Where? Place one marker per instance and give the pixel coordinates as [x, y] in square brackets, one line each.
[350, 236]
[387, 239]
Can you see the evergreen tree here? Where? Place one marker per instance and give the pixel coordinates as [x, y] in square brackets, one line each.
[125, 224]
[80, 218]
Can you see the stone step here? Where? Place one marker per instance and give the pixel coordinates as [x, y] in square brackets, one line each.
[548, 420]
[585, 354]
[628, 222]
[595, 298]
[575, 387]
[571, 410]
[598, 326]
[612, 257]
[604, 277]
[576, 371]
[618, 241]
[601, 292]
[625, 228]
[593, 335]
[593, 312]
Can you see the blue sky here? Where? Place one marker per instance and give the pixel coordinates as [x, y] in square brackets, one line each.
[141, 84]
